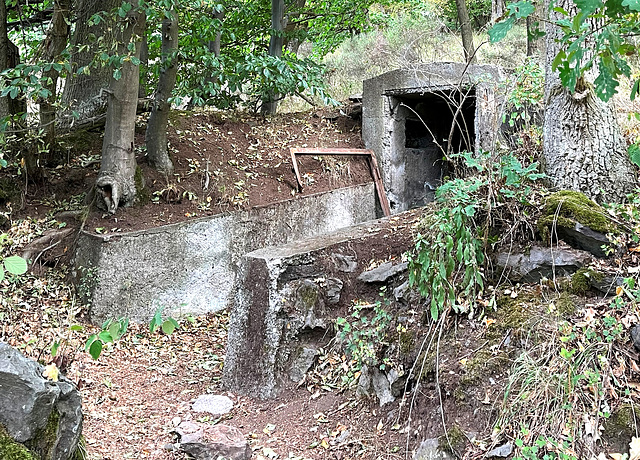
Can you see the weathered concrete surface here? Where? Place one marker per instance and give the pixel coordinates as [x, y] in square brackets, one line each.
[284, 301]
[191, 267]
[397, 105]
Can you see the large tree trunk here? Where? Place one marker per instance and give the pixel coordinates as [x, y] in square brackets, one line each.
[52, 47]
[275, 48]
[156, 136]
[466, 31]
[85, 93]
[116, 181]
[583, 147]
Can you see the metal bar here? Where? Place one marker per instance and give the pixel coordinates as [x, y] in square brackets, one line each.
[373, 167]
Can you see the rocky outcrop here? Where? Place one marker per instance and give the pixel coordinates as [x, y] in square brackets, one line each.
[539, 262]
[39, 417]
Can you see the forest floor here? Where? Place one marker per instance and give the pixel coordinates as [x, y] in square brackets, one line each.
[136, 393]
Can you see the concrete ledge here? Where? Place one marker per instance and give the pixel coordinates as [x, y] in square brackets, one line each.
[190, 267]
[288, 297]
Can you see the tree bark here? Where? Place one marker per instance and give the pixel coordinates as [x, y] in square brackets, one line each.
[583, 147]
[497, 10]
[156, 135]
[275, 48]
[85, 93]
[466, 31]
[116, 181]
[53, 46]
[4, 56]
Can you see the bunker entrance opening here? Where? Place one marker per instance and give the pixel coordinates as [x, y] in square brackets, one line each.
[430, 127]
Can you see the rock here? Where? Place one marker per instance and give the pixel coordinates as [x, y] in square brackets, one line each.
[541, 262]
[635, 336]
[332, 289]
[429, 449]
[607, 284]
[501, 451]
[582, 237]
[42, 415]
[302, 363]
[210, 442]
[374, 382]
[400, 292]
[383, 272]
[213, 404]
[346, 264]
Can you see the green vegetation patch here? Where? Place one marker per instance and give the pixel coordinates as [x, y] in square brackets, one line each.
[581, 280]
[12, 450]
[566, 207]
[454, 441]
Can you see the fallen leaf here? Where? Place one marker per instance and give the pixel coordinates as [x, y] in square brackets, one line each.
[634, 449]
[616, 456]
[51, 372]
[325, 443]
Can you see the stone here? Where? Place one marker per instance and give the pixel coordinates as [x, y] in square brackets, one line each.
[541, 262]
[501, 451]
[332, 290]
[607, 284]
[635, 336]
[42, 415]
[346, 264]
[582, 237]
[383, 272]
[429, 449]
[302, 363]
[373, 381]
[213, 404]
[211, 442]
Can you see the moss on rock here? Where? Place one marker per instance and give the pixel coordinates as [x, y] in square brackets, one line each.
[12, 450]
[454, 441]
[143, 193]
[619, 428]
[566, 207]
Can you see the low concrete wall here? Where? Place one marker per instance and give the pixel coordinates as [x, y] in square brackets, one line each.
[190, 267]
[288, 298]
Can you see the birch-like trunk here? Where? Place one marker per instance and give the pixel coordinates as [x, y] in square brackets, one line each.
[583, 147]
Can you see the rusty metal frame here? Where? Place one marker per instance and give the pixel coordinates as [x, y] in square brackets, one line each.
[373, 167]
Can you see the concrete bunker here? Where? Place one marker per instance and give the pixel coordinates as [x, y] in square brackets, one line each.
[413, 119]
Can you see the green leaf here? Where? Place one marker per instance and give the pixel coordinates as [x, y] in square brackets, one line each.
[168, 326]
[633, 5]
[521, 9]
[589, 6]
[95, 349]
[75, 327]
[105, 336]
[634, 154]
[500, 29]
[15, 265]
[54, 348]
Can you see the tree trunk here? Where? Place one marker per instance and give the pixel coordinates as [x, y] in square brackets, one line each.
[583, 147]
[85, 93]
[275, 48]
[156, 136]
[215, 45]
[497, 10]
[4, 56]
[535, 43]
[144, 63]
[116, 181]
[53, 46]
[467, 32]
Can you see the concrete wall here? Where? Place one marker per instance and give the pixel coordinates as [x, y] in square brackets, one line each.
[190, 267]
[288, 298]
[383, 123]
